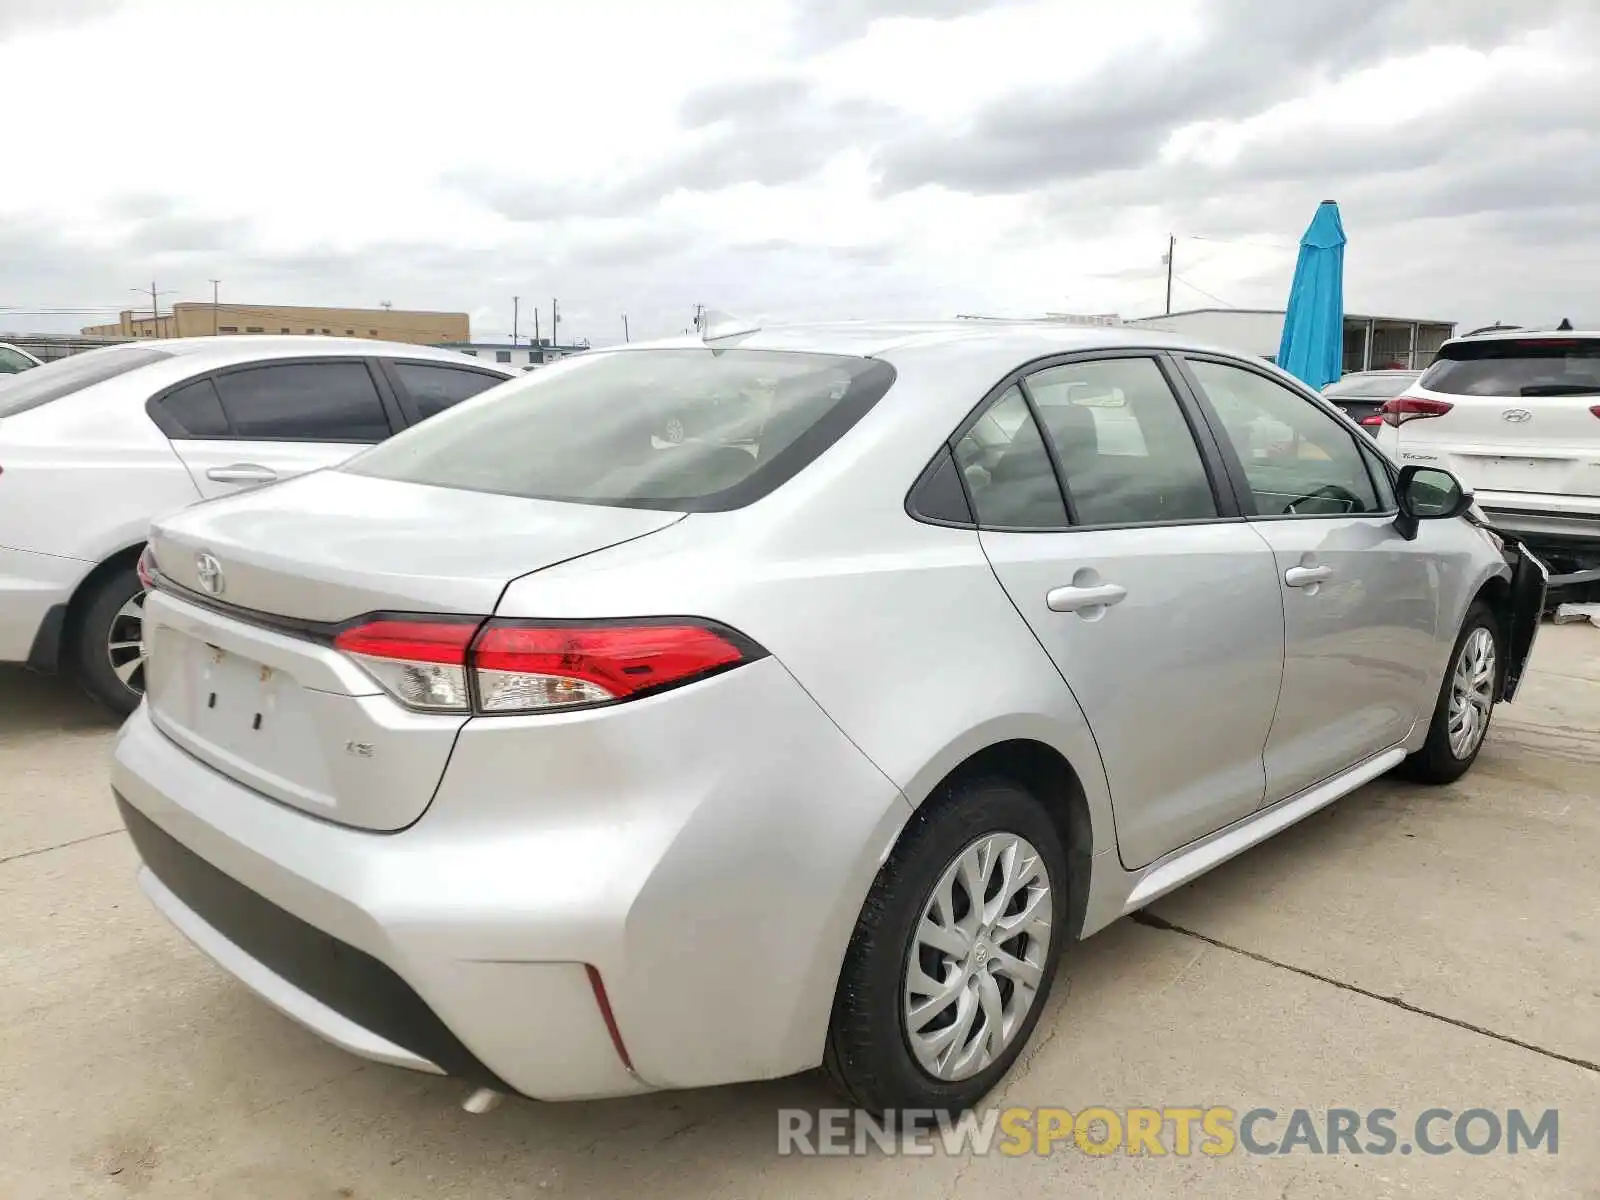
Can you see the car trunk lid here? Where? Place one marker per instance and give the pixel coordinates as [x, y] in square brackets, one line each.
[242, 671]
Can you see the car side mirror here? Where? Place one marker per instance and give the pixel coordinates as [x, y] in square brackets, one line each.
[1428, 494]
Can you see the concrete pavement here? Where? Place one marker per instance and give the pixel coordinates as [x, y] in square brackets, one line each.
[1407, 948]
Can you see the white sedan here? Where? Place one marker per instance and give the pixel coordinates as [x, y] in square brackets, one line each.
[95, 446]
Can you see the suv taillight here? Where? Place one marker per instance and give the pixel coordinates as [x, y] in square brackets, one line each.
[1595, 409]
[498, 667]
[1412, 408]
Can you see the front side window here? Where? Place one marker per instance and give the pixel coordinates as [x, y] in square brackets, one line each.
[306, 402]
[434, 389]
[694, 430]
[1007, 468]
[1298, 460]
[1126, 450]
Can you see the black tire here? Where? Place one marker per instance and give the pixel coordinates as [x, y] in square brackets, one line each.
[868, 1056]
[92, 637]
[1437, 762]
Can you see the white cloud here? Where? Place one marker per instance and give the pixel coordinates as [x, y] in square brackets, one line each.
[1014, 157]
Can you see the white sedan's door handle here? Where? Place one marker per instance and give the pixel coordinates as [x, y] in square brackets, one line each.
[241, 473]
[1306, 576]
[1076, 599]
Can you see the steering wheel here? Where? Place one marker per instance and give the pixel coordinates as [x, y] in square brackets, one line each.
[1348, 500]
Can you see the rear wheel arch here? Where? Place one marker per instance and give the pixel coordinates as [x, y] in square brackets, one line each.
[125, 559]
[1046, 774]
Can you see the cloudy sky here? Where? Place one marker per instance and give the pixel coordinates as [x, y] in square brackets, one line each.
[795, 159]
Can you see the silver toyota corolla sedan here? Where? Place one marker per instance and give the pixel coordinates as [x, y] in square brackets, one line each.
[718, 709]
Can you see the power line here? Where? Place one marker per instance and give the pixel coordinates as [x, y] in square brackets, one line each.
[1203, 292]
[1195, 237]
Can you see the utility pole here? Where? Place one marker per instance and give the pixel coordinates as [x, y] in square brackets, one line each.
[1172, 245]
[555, 324]
[699, 318]
[515, 300]
[625, 336]
[215, 285]
[536, 339]
[155, 307]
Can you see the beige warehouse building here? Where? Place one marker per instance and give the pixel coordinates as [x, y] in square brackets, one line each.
[202, 320]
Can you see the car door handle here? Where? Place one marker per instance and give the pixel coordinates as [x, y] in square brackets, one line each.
[1306, 576]
[241, 473]
[1075, 599]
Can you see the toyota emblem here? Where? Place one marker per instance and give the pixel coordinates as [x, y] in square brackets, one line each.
[209, 572]
[1516, 415]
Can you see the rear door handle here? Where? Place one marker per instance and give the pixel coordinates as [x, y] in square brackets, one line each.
[1306, 576]
[241, 473]
[1075, 599]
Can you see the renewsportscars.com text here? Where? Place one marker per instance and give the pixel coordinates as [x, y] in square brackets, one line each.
[1211, 1132]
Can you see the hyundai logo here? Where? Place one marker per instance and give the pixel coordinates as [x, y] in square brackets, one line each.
[209, 572]
[1516, 415]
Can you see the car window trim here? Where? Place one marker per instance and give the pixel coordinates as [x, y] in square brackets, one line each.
[1235, 464]
[1223, 487]
[405, 401]
[174, 432]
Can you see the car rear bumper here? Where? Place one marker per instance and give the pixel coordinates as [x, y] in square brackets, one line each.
[712, 889]
[32, 587]
[1536, 514]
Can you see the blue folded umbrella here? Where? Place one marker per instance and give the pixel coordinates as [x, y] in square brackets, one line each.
[1312, 346]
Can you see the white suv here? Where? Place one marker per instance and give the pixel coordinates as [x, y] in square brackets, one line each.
[1516, 417]
[95, 446]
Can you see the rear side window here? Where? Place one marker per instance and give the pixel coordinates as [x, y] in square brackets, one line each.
[1007, 469]
[304, 402]
[61, 378]
[1126, 450]
[194, 411]
[1517, 367]
[695, 430]
[434, 389]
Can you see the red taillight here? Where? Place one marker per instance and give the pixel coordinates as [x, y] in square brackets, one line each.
[1374, 419]
[526, 667]
[146, 568]
[414, 641]
[1411, 408]
[1594, 410]
[530, 666]
[421, 663]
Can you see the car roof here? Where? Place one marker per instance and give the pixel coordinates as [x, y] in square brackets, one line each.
[1019, 340]
[221, 351]
[1525, 335]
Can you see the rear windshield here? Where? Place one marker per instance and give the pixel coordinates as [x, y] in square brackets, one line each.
[1368, 387]
[71, 374]
[1517, 367]
[695, 430]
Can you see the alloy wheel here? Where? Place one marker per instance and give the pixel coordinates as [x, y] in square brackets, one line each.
[977, 956]
[125, 646]
[1472, 692]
